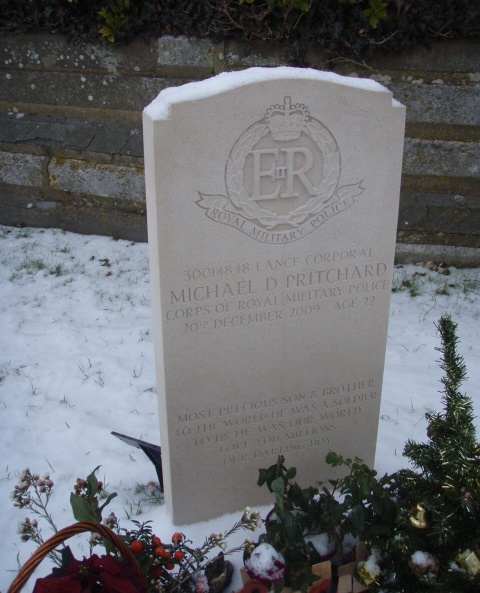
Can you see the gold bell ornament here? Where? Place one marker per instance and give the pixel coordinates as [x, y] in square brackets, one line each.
[418, 517]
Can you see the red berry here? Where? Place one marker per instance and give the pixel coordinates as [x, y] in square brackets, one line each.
[170, 566]
[177, 538]
[179, 555]
[156, 541]
[160, 551]
[136, 547]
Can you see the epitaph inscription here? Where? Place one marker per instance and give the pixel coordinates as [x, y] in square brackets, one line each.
[269, 341]
[277, 425]
[282, 178]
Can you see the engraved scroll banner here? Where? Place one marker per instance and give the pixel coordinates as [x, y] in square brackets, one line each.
[219, 209]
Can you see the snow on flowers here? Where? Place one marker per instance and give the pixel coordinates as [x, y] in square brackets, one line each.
[266, 564]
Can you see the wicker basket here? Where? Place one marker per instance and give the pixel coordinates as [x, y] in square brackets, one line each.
[27, 569]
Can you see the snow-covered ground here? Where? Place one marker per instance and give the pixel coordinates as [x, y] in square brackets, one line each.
[76, 362]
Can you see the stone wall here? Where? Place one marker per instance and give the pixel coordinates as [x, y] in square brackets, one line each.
[71, 153]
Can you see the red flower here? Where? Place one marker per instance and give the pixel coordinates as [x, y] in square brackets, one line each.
[93, 575]
[53, 584]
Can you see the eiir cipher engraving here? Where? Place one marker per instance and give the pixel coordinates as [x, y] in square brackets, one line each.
[282, 178]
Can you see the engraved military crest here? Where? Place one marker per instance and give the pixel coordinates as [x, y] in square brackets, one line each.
[282, 178]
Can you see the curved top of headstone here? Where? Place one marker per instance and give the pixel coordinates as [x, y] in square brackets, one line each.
[159, 108]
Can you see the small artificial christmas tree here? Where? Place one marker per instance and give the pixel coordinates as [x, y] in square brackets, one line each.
[435, 545]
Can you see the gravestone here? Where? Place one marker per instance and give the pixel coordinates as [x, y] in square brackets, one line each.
[272, 199]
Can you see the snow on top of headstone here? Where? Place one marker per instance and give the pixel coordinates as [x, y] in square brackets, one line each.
[159, 108]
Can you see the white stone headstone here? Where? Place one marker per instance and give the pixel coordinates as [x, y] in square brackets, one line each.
[272, 199]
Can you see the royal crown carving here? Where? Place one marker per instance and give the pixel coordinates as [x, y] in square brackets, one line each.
[286, 121]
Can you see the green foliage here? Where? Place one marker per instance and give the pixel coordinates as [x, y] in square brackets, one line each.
[419, 524]
[115, 17]
[446, 482]
[357, 504]
[350, 28]
[296, 515]
[451, 456]
[376, 11]
[367, 508]
[171, 567]
[85, 499]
